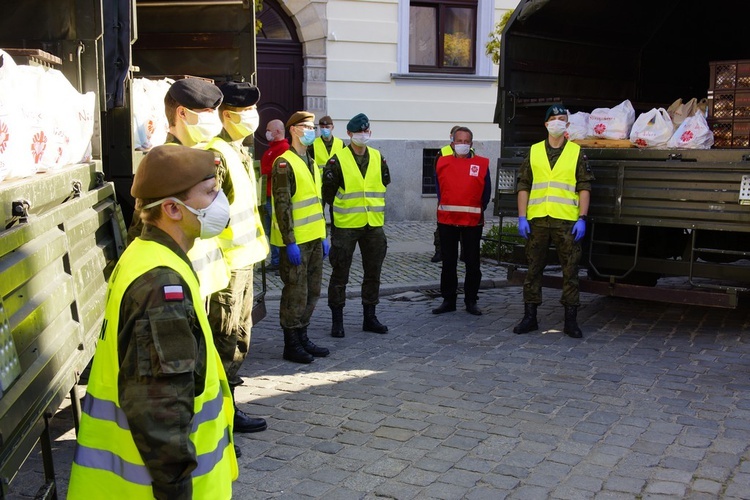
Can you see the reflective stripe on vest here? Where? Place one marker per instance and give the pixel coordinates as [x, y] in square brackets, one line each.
[210, 266]
[461, 182]
[362, 201]
[553, 191]
[107, 463]
[307, 210]
[244, 242]
[321, 153]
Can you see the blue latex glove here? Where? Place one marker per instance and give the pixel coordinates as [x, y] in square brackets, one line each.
[326, 247]
[294, 254]
[579, 229]
[523, 228]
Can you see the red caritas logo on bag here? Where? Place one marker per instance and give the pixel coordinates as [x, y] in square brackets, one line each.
[38, 145]
[4, 137]
[599, 128]
[686, 136]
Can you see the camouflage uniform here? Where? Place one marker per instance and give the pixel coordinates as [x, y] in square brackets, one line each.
[546, 230]
[230, 310]
[373, 244]
[162, 367]
[301, 283]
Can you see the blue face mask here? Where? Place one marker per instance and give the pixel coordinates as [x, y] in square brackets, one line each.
[308, 137]
[325, 132]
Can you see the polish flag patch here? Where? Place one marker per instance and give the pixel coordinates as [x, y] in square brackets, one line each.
[173, 293]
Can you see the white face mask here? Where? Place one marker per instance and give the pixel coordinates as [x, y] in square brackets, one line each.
[214, 218]
[360, 138]
[249, 121]
[269, 136]
[208, 126]
[462, 149]
[556, 128]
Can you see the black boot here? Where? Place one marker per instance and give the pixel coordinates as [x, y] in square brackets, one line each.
[472, 308]
[237, 451]
[371, 323]
[528, 323]
[448, 305]
[571, 324]
[337, 324]
[309, 346]
[244, 422]
[293, 350]
[437, 257]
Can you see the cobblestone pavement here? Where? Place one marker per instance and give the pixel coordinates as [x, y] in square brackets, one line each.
[653, 403]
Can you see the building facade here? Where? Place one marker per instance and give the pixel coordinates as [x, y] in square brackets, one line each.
[415, 68]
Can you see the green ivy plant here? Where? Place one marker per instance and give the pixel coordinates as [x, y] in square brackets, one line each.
[492, 48]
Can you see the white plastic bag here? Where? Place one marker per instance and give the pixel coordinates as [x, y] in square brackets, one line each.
[150, 126]
[693, 133]
[578, 124]
[612, 123]
[652, 129]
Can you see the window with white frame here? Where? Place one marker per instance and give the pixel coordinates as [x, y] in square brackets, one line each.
[445, 37]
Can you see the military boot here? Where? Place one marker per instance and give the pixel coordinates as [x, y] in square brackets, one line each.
[309, 346]
[244, 422]
[371, 323]
[293, 350]
[528, 323]
[448, 305]
[571, 324]
[337, 324]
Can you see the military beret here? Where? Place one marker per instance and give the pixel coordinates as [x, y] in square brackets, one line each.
[240, 94]
[326, 120]
[172, 169]
[299, 117]
[359, 123]
[195, 93]
[554, 110]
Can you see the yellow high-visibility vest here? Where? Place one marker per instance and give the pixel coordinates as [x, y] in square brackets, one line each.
[307, 210]
[553, 192]
[321, 153]
[107, 463]
[244, 242]
[446, 150]
[362, 201]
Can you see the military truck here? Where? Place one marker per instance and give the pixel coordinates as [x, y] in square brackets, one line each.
[64, 230]
[658, 217]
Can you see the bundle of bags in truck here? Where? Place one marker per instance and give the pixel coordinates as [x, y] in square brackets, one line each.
[150, 126]
[681, 126]
[45, 123]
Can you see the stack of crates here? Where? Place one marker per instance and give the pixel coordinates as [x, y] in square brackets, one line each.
[729, 103]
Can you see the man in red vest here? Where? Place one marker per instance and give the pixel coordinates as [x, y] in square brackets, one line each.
[463, 188]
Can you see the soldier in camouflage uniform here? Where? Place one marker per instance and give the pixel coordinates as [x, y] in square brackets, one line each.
[298, 228]
[162, 340]
[354, 184]
[553, 201]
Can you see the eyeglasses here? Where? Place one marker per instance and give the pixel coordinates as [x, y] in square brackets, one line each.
[306, 126]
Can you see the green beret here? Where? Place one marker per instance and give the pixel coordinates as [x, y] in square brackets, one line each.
[359, 123]
[240, 94]
[299, 117]
[171, 169]
[195, 93]
[554, 110]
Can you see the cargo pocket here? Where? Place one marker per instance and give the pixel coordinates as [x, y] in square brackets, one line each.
[174, 343]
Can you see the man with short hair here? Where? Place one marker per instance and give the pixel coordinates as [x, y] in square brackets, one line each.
[299, 228]
[554, 190]
[446, 150]
[354, 184]
[464, 188]
[145, 429]
[277, 145]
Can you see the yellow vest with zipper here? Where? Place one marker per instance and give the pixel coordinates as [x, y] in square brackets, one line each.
[307, 210]
[244, 242]
[553, 192]
[321, 153]
[362, 201]
[107, 463]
